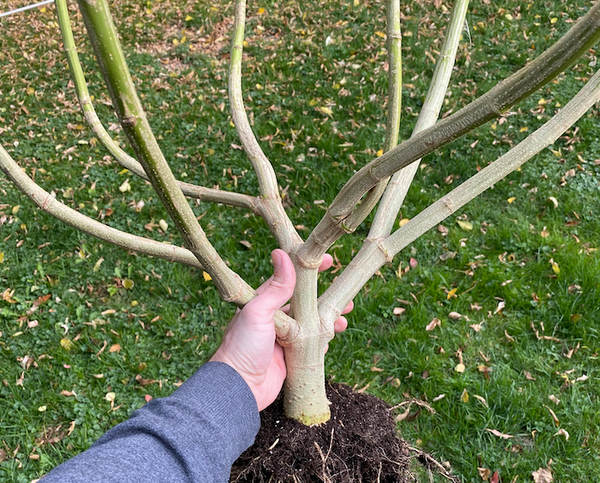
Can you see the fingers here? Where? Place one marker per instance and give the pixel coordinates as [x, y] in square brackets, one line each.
[326, 263]
[277, 290]
[340, 325]
[348, 308]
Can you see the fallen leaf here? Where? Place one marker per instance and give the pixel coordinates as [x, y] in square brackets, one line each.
[451, 293]
[438, 398]
[528, 376]
[543, 475]
[206, 276]
[164, 225]
[495, 477]
[460, 368]
[476, 327]
[481, 399]
[68, 393]
[545, 233]
[433, 324]
[464, 397]
[511, 199]
[110, 397]
[582, 378]
[465, 225]
[412, 263]
[562, 432]
[399, 310]
[484, 473]
[66, 344]
[501, 305]
[115, 348]
[325, 110]
[554, 399]
[553, 414]
[495, 432]
[403, 221]
[148, 398]
[554, 201]
[124, 187]
[454, 316]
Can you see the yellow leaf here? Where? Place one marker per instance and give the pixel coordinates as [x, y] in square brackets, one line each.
[1, 257]
[524, 129]
[261, 11]
[461, 368]
[66, 344]
[380, 152]
[128, 283]
[207, 277]
[110, 396]
[188, 18]
[451, 293]
[124, 187]
[465, 225]
[464, 397]
[325, 110]
[123, 171]
[553, 20]
[356, 3]
[41, 409]
[30, 90]
[245, 43]
[403, 221]
[175, 42]
[555, 268]
[380, 34]
[97, 264]
[511, 199]
[163, 225]
[542, 102]
[15, 209]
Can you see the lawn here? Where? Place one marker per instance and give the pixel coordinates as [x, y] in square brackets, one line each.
[88, 332]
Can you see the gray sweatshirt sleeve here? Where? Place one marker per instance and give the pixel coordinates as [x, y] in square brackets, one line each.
[194, 435]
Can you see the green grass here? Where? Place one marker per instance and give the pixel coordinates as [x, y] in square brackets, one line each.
[172, 320]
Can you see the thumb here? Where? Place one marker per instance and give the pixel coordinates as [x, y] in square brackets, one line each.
[278, 289]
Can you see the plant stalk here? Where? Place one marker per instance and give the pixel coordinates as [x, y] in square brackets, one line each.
[104, 39]
[347, 285]
[280, 224]
[564, 53]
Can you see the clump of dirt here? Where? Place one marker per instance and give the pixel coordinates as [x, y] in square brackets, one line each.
[358, 444]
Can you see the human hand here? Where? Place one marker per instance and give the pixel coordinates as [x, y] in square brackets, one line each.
[249, 344]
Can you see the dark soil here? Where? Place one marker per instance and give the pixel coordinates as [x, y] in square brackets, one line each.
[358, 444]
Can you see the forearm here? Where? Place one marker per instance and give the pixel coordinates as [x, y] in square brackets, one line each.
[194, 435]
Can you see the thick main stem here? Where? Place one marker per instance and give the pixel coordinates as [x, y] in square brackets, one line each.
[304, 393]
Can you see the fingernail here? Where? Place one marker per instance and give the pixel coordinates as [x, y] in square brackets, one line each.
[276, 258]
